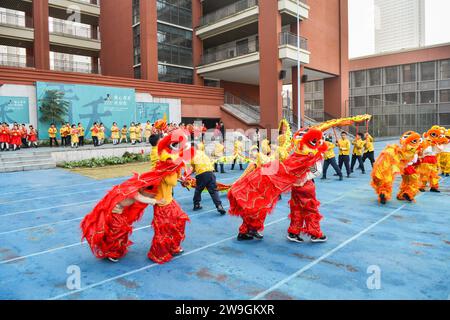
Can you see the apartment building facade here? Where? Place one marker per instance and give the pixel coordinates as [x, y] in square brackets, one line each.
[219, 59]
[405, 90]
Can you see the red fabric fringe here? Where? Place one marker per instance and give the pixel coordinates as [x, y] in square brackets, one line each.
[107, 233]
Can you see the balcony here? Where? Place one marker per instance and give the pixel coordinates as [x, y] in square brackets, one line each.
[68, 34]
[289, 52]
[241, 56]
[13, 26]
[289, 7]
[16, 60]
[73, 66]
[85, 7]
[233, 16]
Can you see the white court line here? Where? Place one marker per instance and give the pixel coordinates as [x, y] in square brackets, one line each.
[84, 242]
[105, 188]
[343, 244]
[40, 226]
[312, 264]
[49, 208]
[149, 266]
[68, 186]
[184, 254]
[79, 203]
[78, 192]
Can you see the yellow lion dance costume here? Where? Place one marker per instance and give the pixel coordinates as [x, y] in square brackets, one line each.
[394, 160]
[284, 139]
[430, 148]
[444, 157]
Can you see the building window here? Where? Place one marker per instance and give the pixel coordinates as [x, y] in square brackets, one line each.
[359, 102]
[409, 120]
[211, 83]
[391, 75]
[409, 73]
[445, 69]
[444, 95]
[136, 11]
[175, 74]
[137, 72]
[375, 77]
[309, 87]
[174, 45]
[177, 12]
[427, 71]
[427, 97]
[318, 86]
[408, 98]
[391, 99]
[375, 100]
[359, 79]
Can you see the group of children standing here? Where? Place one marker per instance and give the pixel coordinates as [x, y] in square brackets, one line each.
[363, 149]
[17, 136]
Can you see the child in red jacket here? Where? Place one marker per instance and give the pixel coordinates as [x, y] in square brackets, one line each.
[32, 137]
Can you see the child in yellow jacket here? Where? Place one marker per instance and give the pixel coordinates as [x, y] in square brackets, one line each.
[358, 149]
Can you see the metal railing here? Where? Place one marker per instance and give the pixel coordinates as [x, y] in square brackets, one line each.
[246, 108]
[289, 38]
[227, 11]
[68, 28]
[16, 60]
[73, 66]
[12, 19]
[229, 51]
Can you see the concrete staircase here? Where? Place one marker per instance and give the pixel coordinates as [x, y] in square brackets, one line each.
[242, 110]
[25, 160]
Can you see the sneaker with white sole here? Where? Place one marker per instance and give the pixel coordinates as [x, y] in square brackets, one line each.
[321, 239]
[294, 238]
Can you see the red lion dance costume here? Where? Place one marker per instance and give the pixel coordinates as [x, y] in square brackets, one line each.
[255, 195]
[305, 216]
[428, 168]
[394, 160]
[108, 227]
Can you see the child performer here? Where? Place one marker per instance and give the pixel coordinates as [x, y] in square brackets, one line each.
[154, 140]
[52, 131]
[139, 133]
[394, 160]
[148, 131]
[24, 136]
[101, 134]
[4, 137]
[108, 227]
[432, 145]
[344, 153]
[368, 149]
[445, 156]
[63, 134]
[74, 136]
[16, 137]
[238, 153]
[123, 134]
[218, 154]
[94, 134]
[133, 133]
[32, 137]
[330, 159]
[358, 149]
[203, 168]
[80, 135]
[115, 133]
[253, 196]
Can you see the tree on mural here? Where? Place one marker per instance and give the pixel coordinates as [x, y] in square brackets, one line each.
[53, 107]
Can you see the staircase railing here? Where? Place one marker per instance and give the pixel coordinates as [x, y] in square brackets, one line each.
[245, 107]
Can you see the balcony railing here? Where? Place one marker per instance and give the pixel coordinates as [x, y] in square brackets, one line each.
[80, 31]
[288, 38]
[227, 11]
[12, 19]
[69, 66]
[229, 51]
[16, 60]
